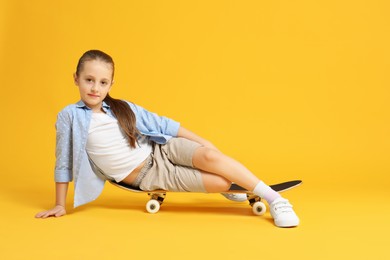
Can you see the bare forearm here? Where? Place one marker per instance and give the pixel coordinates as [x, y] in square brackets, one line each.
[59, 209]
[185, 133]
[61, 192]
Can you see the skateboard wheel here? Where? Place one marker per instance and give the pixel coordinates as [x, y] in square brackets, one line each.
[153, 206]
[259, 208]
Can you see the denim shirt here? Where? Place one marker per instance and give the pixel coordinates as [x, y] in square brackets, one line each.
[72, 161]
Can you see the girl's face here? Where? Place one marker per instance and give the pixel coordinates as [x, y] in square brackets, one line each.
[94, 82]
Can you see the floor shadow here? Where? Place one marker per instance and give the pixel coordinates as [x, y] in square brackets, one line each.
[191, 206]
[42, 198]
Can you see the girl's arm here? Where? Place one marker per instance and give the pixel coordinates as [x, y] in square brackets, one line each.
[185, 133]
[59, 208]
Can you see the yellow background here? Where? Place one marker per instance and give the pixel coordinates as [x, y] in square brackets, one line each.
[293, 89]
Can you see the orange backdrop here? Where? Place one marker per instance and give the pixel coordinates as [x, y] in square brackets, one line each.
[293, 89]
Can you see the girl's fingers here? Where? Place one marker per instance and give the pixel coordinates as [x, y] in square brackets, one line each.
[57, 211]
[40, 214]
[45, 214]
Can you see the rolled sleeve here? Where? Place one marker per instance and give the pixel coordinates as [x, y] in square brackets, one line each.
[63, 176]
[63, 166]
[153, 124]
[171, 127]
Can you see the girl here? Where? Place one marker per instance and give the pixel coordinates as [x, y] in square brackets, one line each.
[102, 138]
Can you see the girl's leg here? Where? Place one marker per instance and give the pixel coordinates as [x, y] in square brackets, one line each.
[215, 162]
[227, 168]
[214, 183]
[217, 184]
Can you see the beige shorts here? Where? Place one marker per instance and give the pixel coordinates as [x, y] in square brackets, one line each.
[169, 167]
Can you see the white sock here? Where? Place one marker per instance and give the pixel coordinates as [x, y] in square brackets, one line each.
[266, 192]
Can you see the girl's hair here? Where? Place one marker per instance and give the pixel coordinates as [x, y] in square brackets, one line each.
[125, 116]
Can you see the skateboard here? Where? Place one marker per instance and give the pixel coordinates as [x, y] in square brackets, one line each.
[258, 208]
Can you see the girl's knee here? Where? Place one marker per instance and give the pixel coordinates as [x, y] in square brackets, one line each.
[210, 155]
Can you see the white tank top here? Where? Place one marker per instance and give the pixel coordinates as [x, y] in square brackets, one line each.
[109, 149]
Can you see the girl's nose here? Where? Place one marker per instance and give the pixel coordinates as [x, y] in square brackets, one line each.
[94, 88]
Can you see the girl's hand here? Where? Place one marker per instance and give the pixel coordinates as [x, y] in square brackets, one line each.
[57, 211]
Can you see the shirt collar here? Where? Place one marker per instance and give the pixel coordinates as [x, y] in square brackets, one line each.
[81, 104]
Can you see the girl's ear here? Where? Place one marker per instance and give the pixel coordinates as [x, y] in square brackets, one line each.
[76, 80]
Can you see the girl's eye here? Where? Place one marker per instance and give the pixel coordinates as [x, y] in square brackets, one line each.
[89, 80]
[104, 83]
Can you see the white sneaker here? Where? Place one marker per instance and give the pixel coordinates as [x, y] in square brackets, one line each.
[238, 197]
[283, 214]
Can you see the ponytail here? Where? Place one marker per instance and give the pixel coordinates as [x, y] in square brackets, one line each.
[120, 109]
[126, 118]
